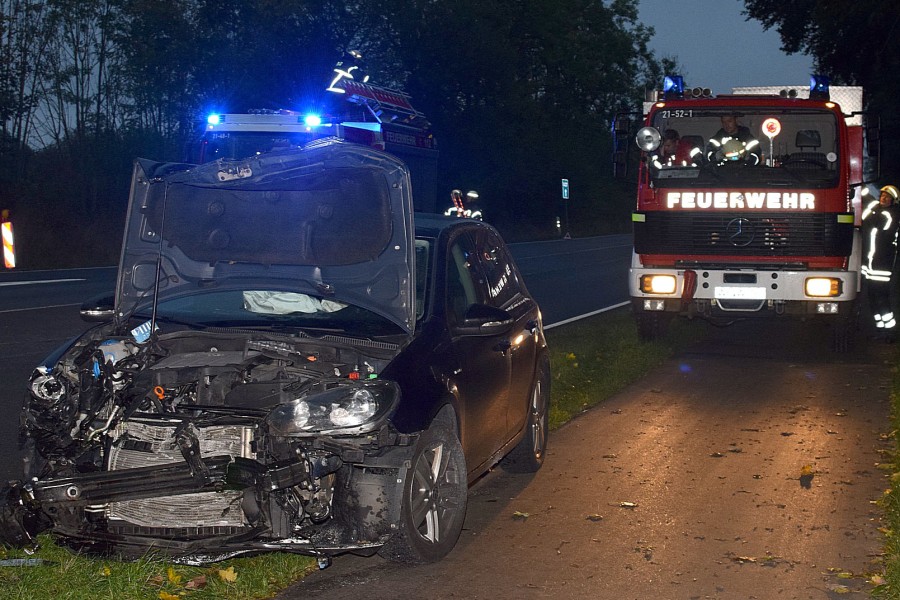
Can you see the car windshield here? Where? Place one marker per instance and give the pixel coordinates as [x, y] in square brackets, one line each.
[277, 310]
[752, 147]
[330, 220]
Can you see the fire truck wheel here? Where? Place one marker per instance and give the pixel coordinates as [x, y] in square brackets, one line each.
[843, 332]
[652, 325]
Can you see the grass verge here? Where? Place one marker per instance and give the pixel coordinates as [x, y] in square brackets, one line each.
[889, 585]
[591, 360]
[595, 358]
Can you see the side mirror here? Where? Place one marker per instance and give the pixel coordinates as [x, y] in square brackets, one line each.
[488, 320]
[99, 308]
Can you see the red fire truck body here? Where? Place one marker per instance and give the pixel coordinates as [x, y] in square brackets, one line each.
[759, 220]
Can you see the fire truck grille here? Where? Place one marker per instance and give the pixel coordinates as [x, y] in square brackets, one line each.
[743, 234]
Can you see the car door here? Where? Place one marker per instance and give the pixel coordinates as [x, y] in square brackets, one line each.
[507, 292]
[480, 362]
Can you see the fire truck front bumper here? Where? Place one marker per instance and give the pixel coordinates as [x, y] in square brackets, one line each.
[710, 292]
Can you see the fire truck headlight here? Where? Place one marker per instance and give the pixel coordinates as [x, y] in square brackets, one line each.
[823, 287]
[658, 284]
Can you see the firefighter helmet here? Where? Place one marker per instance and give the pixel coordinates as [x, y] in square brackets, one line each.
[891, 191]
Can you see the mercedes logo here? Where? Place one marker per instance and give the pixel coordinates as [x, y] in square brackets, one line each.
[739, 232]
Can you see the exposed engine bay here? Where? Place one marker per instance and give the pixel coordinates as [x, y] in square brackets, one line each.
[211, 444]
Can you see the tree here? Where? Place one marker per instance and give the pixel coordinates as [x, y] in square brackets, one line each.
[521, 92]
[854, 43]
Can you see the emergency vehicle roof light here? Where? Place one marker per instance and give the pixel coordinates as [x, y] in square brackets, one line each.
[673, 86]
[312, 120]
[214, 119]
[818, 87]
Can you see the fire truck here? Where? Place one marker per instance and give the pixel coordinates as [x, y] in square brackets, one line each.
[359, 112]
[749, 204]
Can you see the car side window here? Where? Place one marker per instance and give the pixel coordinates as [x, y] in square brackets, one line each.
[462, 280]
[499, 270]
[423, 258]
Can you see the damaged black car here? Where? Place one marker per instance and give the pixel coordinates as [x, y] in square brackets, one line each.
[293, 361]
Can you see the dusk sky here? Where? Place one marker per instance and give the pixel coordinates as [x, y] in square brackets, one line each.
[718, 48]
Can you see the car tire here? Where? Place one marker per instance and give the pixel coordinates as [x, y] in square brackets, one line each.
[528, 455]
[434, 500]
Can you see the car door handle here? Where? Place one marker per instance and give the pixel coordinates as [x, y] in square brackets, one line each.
[503, 346]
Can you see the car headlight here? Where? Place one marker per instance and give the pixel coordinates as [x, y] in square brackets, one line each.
[351, 408]
[47, 387]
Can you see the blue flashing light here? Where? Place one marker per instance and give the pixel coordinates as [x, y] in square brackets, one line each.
[214, 119]
[818, 87]
[312, 120]
[673, 86]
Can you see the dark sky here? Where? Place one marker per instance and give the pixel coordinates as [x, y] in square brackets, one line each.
[718, 48]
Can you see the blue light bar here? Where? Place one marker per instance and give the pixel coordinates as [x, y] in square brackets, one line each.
[312, 120]
[673, 86]
[818, 87]
[214, 119]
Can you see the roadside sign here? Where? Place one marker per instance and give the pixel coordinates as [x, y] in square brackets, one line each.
[565, 189]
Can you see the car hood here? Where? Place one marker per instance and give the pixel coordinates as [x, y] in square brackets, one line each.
[332, 220]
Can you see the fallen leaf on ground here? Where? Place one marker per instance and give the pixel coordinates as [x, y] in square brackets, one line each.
[520, 515]
[197, 583]
[173, 576]
[163, 595]
[595, 517]
[228, 575]
[628, 505]
[845, 575]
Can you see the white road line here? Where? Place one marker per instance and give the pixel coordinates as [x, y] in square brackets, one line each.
[586, 315]
[12, 310]
[9, 283]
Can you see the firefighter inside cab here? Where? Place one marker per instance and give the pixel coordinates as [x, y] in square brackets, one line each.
[880, 221]
[733, 142]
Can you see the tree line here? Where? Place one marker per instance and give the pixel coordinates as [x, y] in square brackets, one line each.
[519, 92]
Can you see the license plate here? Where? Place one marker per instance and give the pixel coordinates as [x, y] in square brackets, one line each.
[740, 293]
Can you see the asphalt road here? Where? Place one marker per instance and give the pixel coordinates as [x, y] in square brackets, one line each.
[746, 467]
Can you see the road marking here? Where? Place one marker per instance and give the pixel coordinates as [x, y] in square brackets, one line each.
[8, 283]
[12, 310]
[586, 315]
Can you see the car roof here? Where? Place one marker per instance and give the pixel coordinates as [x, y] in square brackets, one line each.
[433, 225]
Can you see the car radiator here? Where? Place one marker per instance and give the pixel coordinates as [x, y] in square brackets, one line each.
[142, 444]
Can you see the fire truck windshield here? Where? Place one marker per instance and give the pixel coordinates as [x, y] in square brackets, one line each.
[229, 145]
[752, 146]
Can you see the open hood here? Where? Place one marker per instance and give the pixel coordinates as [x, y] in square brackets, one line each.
[332, 221]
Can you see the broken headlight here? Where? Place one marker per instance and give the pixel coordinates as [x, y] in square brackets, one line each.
[344, 409]
[47, 387]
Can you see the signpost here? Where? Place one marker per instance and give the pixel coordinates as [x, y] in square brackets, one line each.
[565, 195]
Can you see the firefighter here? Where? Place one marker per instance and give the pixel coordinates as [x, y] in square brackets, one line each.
[733, 142]
[880, 221]
[673, 151]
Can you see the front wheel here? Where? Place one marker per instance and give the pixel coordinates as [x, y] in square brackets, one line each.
[434, 500]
